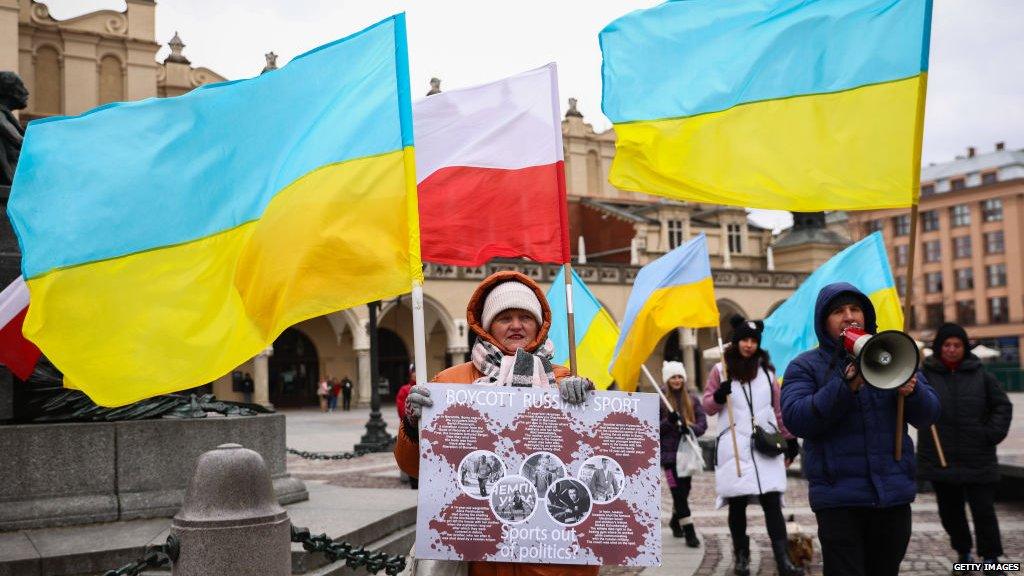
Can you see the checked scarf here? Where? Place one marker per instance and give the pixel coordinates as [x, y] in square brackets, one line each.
[523, 369]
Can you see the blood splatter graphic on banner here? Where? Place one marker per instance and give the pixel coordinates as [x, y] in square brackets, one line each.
[516, 475]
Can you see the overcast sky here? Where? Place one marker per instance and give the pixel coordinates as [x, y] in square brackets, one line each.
[975, 85]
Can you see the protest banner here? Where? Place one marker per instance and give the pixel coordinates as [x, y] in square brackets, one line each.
[515, 475]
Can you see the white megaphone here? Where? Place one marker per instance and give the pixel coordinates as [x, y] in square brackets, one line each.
[886, 360]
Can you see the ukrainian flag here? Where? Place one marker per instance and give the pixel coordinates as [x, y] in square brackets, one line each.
[596, 332]
[790, 328]
[167, 241]
[800, 105]
[674, 291]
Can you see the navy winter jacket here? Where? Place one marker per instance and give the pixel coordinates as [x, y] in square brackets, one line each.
[849, 438]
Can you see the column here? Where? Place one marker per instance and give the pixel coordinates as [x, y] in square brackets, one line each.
[363, 385]
[261, 378]
[724, 243]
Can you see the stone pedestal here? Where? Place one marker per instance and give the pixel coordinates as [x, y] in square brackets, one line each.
[61, 474]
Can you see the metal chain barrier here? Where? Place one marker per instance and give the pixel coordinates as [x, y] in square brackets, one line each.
[154, 557]
[330, 455]
[354, 557]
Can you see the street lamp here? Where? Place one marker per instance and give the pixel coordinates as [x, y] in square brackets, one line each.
[376, 438]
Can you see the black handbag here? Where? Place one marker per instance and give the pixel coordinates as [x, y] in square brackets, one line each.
[770, 444]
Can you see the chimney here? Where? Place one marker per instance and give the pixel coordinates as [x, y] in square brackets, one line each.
[970, 151]
[1000, 146]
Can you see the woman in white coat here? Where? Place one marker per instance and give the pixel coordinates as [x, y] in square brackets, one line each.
[748, 377]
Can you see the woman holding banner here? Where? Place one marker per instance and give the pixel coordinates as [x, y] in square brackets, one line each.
[685, 403]
[765, 447]
[510, 316]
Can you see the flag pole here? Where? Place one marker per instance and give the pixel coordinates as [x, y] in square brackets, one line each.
[728, 403]
[419, 332]
[567, 268]
[657, 388]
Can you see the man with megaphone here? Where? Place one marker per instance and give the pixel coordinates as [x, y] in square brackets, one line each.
[841, 399]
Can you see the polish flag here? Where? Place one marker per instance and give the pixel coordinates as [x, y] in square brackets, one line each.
[16, 352]
[490, 172]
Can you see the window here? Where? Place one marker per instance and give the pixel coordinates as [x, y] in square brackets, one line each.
[965, 313]
[965, 279]
[901, 224]
[930, 220]
[992, 210]
[989, 178]
[957, 184]
[927, 189]
[735, 238]
[932, 251]
[934, 315]
[996, 274]
[933, 282]
[994, 242]
[675, 233]
[960, 215]
[998, 312]
[874, 226]
[901, 254]
[901, 285]
[962, 247]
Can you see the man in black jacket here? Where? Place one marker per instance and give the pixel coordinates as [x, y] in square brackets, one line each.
[976, 416]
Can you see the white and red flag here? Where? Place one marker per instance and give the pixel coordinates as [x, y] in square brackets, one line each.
[490, 172]
[16, 352]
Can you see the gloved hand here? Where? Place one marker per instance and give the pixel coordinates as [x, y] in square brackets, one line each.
[418, 397]
[674, 418]
[574, 389]
[792, 449]
[724, 389]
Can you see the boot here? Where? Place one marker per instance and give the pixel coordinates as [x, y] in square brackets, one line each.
[691, 535]
[677, 532]
[741, 557]
[782, 562]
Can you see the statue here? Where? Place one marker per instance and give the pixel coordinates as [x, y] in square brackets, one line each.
[271, 62]
[13, 96]
[43, 399]
[435, 86]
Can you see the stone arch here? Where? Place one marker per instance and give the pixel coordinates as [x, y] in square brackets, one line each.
[294, 369]
[48, 89]
[343, 320]
[111, 84]
[774, 307]
[434, 312]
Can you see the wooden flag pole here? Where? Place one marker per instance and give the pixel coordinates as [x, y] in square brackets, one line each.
[567, 269]
[654, 383]
[728, 404]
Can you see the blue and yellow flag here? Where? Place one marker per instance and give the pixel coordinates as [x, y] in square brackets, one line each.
[790, 328]
[801, 105]
[596, 332]
[674, 291]
[167, 241]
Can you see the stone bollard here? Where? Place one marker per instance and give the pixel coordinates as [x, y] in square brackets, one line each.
[230, 522]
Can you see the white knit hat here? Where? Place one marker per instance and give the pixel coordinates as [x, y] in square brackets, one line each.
[670, 369]
[508, 295]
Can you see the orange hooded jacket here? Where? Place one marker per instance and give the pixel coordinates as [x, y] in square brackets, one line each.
[407, 450]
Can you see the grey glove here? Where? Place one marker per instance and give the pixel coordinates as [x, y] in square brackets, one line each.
[418, 397]
[574, 389]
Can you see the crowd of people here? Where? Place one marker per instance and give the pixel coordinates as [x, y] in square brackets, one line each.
[329, 389]
[860, 494]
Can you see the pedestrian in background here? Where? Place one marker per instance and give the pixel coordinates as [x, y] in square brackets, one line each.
[687, 417]
[346, 394]
[975, 417]
[747, 368]
[323, 390]
[332, 397]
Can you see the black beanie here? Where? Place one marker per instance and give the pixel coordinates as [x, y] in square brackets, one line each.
[947, 331]
[743, 328]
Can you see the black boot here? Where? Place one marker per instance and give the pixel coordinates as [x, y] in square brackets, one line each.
[677, 532]
[691, 536]
[782, 562]
[741, 557]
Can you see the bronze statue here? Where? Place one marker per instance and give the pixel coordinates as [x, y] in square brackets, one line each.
[13, 96]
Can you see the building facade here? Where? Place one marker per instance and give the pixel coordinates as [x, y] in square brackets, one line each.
[968, 260]
[73, 65]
